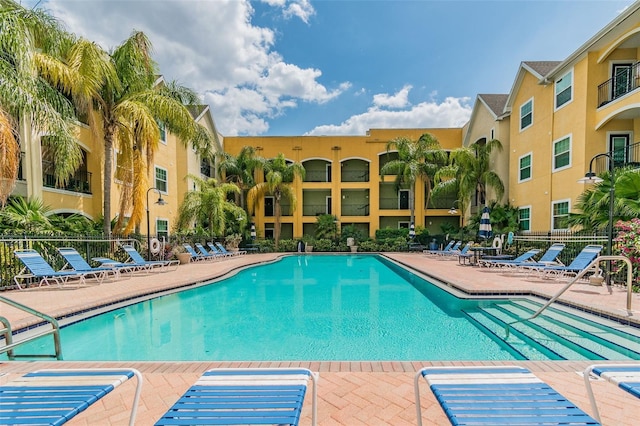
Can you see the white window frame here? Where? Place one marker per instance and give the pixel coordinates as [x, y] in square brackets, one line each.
[555, 97]
[521, 209]
[155, 179]
[553, 153]
[553, 218]
[530, 155]
[530, 100]
[163, 129]
[162, 219]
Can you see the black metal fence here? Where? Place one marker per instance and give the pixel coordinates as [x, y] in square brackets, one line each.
[88, 246]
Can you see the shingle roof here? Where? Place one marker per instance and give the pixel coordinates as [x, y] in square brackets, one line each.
[542, 67]
[495, 102]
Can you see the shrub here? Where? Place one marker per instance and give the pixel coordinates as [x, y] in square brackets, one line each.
[391, 233]
[323, 244]
[288, 245]
[369, 246]
[628, 240]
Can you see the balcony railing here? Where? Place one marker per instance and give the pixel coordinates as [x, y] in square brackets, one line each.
[393, 203]
[79, 182]
[626, 80]
[354, 176]
[355, 210]
[317, 176]
[629, 156]
[314, 209]
[442, 203]
[205, 169]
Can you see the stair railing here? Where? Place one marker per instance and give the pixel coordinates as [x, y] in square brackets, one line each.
[580, 274]
[8, 335]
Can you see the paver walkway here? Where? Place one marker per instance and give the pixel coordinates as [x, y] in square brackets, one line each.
[349, 393]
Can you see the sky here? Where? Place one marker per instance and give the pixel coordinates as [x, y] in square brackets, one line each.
[340, 67]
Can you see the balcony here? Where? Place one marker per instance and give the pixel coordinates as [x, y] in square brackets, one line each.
[627, 157]
[355, 209]
[80, 181]
[625, 81]
[205, 169]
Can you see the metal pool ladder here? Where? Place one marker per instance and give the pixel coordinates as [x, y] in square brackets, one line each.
[6, 331]
[576, 278]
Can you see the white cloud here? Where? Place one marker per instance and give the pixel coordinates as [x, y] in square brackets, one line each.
[398, 100]
[452, 112]
[212, 47]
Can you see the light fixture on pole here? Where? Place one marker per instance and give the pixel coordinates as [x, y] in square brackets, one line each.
[160, 202]
[412, 231]
[453, 209]
[591, 177]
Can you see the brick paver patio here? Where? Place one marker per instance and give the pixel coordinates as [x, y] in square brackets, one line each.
[349, 393]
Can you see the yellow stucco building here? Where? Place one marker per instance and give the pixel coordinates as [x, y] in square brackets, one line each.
[558, 116]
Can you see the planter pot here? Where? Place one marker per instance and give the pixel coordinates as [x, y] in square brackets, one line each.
[596, 280]
[354, 249]
[308, 248]
[184, 258]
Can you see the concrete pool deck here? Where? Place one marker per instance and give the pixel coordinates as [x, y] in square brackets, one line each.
[349, 393]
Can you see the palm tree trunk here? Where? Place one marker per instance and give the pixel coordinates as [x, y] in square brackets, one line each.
[277, 213]
[109, 132]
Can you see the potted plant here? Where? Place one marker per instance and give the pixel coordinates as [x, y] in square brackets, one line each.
[180, 253]
[232, 242]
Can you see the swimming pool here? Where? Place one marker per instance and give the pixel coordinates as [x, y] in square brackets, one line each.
[351, 307]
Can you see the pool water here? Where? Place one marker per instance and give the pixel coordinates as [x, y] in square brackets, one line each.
[352, 307]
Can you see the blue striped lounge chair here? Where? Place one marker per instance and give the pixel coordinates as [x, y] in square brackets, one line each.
[526, 257]
[550, 257]
[53, 397]
[455, 254]
[625, 376]
[77, 263]
[244, 397]
[453, 245]
[579, 263]
[36, 267]
[225, 251]
[195, 256]
[207, 254]
[138, 260]
[214, 249]
[499, 395]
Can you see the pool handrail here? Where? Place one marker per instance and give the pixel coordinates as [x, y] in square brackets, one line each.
[579, 275]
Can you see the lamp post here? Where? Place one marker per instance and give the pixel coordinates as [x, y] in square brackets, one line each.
[160, 202]
[591, 177]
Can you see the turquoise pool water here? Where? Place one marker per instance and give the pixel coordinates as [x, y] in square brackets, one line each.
[352, 307]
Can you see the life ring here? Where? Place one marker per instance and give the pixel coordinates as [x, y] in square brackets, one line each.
[154, 246]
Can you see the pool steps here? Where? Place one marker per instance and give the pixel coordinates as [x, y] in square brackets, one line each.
[555, 335]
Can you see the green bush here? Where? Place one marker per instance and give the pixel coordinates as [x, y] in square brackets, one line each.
[265, 246]
[323, 244]
[288, 245]
[391, 233]
[369, 246]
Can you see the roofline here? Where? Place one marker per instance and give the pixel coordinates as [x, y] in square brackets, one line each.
[593, 40]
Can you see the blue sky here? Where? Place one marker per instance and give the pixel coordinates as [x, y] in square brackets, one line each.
[295, 67]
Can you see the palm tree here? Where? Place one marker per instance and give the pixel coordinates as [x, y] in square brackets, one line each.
[279, 177]
[131, 109]
[241, 170]
[593, 203]
[26, 216]
[207, 206]
[469, 173]
[32, 75]
[416, 160]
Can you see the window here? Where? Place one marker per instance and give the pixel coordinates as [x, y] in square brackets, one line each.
[161, 179]
[564, 89]
[559, 215]
[163, 132]
[525, 168]
[493, 134]
[562, 154]
[162, 228]
[524, 218]
[526, 114]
